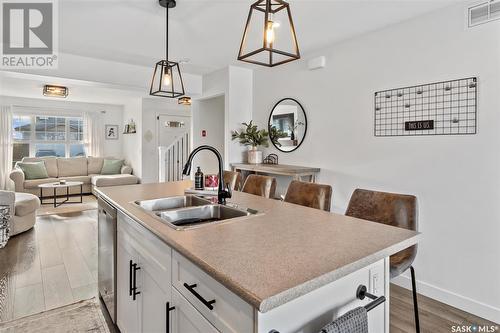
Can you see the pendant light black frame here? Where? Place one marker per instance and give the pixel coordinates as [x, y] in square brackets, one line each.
[166, 66]
[266, 6]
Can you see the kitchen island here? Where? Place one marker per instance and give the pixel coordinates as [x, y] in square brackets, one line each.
[288, 268]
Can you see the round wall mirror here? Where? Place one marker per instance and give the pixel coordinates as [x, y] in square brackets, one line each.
[287, 125]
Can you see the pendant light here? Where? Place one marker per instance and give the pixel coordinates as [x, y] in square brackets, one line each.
[167, 77]
[269, 38]
[185, 100]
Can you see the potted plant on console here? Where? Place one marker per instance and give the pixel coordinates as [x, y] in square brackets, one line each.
[252, 137]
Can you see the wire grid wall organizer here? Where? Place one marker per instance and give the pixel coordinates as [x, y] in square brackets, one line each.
[441, 108]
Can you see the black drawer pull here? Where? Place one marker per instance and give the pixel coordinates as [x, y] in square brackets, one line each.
[168, 308]
[130, 278]
[191, 287]
[135, 268]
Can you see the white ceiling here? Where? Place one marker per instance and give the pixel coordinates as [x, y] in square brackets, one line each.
[31, 86]
[209, 32]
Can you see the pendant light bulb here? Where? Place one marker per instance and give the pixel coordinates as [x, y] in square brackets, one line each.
[167, 78]
[270, 32]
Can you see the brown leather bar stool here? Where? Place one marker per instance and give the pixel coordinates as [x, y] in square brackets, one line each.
[309, 194]
[260, 185]
[233, 179]
[399, 210]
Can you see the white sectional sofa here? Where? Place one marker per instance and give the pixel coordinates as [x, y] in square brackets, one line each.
[84, 169]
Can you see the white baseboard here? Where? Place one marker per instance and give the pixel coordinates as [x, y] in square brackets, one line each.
[458, 301]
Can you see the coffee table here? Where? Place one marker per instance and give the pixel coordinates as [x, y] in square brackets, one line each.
[54, 187]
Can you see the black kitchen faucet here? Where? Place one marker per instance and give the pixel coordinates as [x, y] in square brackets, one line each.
[222, 193]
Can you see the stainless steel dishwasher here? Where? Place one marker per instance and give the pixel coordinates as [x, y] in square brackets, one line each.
[107, 256]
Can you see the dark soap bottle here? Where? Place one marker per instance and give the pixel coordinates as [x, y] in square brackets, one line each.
[198, 179]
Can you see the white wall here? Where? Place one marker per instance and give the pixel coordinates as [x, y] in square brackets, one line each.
[236, 84]
[456, 178]
[208, 115]
[112, 115]
[131, 143]
[240, 106]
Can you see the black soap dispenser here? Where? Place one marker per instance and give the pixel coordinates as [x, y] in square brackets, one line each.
[198, 179]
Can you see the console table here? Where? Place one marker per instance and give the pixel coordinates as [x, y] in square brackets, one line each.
[294, 171]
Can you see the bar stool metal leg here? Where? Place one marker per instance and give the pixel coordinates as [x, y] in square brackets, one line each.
[415, 303]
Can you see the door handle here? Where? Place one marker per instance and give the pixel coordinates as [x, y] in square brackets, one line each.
[135, 268]
[168, 308]
[191, 287]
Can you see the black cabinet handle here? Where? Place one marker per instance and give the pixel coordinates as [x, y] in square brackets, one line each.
[168, 308]
[130, 278]
[135, 268]
[191, 287]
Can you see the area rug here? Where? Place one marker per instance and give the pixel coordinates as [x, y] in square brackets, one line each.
[84, 316]
[89, 203]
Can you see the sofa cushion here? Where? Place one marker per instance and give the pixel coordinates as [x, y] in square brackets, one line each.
[84, 179]
[114, 180]
[26, 203]
[35, 182]
[111, 167]
[73, 166]
[95, 164]
[33, 170]
[50, 163]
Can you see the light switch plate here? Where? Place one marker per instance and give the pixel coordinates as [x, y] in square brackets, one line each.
[376, 286]
[374, 283]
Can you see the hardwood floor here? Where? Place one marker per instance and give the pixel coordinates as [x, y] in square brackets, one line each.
[53, 264]
[435, 317]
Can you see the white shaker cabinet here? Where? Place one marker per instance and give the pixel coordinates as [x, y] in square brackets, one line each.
[153, 304]
[185, 318]
[143, 279]
[127, 308]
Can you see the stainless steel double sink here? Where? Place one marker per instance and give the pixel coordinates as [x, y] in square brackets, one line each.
[190, 211]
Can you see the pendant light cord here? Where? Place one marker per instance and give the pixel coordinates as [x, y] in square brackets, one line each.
[166, 24]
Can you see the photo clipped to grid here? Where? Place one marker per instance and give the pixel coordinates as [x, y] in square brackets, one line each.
[442, 108]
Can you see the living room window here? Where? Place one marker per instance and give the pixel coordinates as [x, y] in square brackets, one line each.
[39, 136]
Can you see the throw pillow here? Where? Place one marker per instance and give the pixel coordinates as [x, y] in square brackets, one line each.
[33, 170]
[111, 167]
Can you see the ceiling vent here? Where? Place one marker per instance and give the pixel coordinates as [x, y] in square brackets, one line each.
[483, 13]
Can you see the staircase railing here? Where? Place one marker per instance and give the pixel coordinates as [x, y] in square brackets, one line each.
[173, 158]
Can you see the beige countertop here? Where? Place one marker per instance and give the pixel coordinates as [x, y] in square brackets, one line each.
[269, 259]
